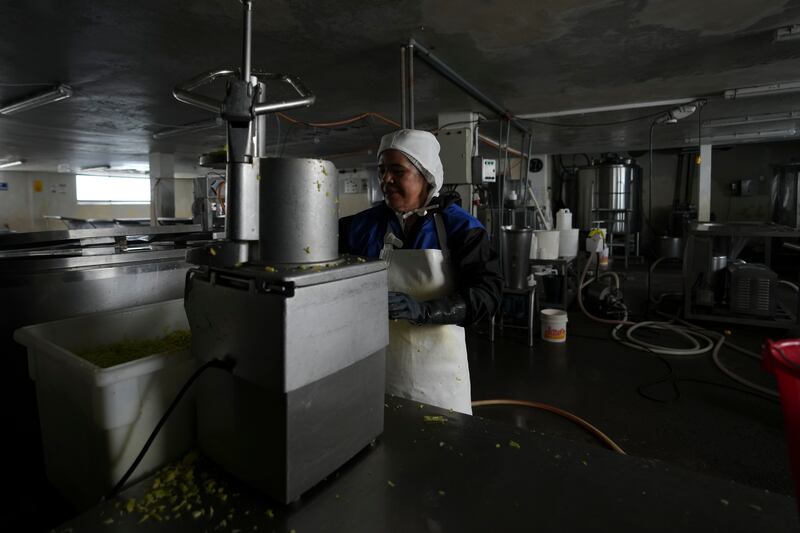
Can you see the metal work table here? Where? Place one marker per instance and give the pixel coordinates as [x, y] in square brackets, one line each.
[562, 266]
[530, 296]
[706, 239]
[464, 474]
[51, 275]
[740, 233]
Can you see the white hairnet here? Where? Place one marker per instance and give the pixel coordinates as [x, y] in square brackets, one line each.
[422, 149]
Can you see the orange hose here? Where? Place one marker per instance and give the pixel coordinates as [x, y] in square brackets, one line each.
[602, 437]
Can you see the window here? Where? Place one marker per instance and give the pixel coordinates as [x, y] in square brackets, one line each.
[112, 190]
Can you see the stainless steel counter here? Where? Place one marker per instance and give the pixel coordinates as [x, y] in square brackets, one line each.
[52, 275]
[461, 474]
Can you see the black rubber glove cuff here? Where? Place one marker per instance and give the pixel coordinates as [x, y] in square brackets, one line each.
[448, 310]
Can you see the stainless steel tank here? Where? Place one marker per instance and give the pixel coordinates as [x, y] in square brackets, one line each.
[299, 211]
[611, 190]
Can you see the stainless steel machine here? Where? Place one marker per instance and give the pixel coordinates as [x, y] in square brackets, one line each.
[610, 190]
[306, 327]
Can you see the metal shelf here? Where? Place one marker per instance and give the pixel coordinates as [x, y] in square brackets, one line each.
[784, 318]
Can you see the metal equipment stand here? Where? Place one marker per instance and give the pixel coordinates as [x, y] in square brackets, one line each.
[530, 292]
[703, 240]
[565, 267]
[630, 240]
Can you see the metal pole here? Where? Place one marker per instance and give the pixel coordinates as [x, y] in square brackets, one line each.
[500, 214]
[403, 88]
[410, 69]
[507, 169]
[526, 169]
[260, 148]
[247, 8]
[500, 177]
[442, 68]
[704, 184]
[523, 181]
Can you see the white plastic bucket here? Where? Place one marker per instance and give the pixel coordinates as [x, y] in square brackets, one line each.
[563, 219]
[568, 242]
[547, 243]
[554, 325]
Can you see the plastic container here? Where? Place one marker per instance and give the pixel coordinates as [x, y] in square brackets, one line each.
[547, 241]
[95, 420]
[563, 219]
[782, 358]
[568, 242]
[554, 325]
[604, 257]
[534, 247]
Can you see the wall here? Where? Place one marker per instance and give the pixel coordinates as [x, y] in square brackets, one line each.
[16, 208]
[747, 161]
[354, 190]
[22, 209]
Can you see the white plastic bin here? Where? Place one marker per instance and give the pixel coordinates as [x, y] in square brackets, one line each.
[95, 420]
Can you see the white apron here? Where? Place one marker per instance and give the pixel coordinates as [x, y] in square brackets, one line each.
[426, 363]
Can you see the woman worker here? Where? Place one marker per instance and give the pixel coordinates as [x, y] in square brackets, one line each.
[442, 272]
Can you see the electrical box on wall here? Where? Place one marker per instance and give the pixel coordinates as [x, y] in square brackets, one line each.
[456, 137]
[456, 154]
[483, 170]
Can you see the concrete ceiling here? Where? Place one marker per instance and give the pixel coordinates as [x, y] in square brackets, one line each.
[123, 58]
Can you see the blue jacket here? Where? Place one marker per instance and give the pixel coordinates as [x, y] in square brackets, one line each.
[478, 280]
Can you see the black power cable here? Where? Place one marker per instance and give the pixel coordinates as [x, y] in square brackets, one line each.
[672, 379]
[226, 364]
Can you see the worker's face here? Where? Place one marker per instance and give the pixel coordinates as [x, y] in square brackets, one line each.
[403, 186]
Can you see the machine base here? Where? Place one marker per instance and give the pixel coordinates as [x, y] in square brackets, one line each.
[285, 443]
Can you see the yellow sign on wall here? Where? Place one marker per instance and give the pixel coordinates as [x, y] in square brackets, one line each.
[38, 186]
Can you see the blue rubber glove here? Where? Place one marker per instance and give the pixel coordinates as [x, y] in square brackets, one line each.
[404, 307]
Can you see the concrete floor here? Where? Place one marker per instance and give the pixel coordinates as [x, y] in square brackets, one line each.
[700, 426]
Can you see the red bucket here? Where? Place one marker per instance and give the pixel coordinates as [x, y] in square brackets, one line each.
[782, 358]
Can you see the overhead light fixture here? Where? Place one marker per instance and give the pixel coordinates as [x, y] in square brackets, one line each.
[789, 33]
[135, 171]
[96, 168]
[59, 92]
[189, 128]
[763, 90]
[751, 119]
[674, 115]
[12, 163]
[749, 136]
[609, 108]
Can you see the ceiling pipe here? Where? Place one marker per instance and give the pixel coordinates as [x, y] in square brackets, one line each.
[442, 68]
[608, 108]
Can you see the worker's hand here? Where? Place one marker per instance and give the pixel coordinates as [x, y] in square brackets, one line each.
[404, 307]
[448, 310]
